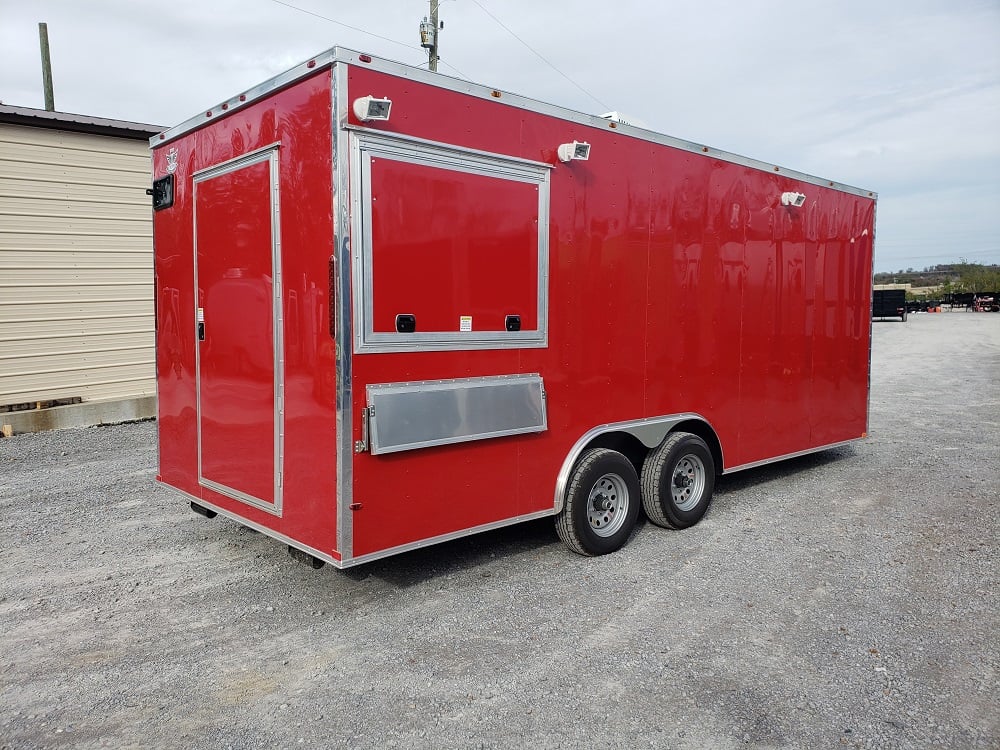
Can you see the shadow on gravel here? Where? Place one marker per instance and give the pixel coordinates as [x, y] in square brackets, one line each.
[781, 470]
[535, 537]
[461, 555]
[494, 549]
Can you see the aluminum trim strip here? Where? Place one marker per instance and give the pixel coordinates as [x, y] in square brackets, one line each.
[278, 334]
[347, 561]
[871, 324]
[364, 147]
[343, 206]
[360, 239]
[235, 494]
[236, 163]
[434, 157]
[445, 383]
[439, 80]
[248, 97]
[325, 556]
[403, 146]
[650, 431]
[786, 456]
[156, 343]
[447, 341]
[422, 414]
[197, 343]
[492, 526]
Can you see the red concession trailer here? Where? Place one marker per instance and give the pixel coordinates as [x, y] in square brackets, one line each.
[395, 308]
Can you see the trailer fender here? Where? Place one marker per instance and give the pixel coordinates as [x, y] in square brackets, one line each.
[634, 437]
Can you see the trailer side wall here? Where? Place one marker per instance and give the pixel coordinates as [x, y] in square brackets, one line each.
[677, 283]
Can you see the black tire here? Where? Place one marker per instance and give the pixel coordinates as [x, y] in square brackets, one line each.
[605, 476]
[678, 479]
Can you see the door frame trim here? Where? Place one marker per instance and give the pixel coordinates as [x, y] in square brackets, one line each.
[267, 154]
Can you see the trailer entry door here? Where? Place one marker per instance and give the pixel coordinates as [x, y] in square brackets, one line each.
[238, 319]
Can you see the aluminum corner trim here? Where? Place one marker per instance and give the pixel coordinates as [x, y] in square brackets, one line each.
[340, 302]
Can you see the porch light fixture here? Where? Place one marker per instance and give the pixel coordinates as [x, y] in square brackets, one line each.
[793, 199]
[575, 151]
[368, 108]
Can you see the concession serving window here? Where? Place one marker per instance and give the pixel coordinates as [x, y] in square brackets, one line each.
[450, 247]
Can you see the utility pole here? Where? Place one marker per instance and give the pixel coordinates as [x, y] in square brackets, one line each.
[429, 37]
[43, 40]
[433, 52]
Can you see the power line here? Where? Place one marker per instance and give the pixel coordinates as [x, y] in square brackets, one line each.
[538, 54]
[345, 25]
[369, 33]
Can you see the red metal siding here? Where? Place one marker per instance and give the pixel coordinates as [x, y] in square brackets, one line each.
[299, 118]
[448, 244]
[677, 283]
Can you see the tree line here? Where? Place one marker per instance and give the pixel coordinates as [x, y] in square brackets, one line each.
[951, 277]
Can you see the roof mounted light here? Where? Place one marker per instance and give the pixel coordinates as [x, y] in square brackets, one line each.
[368, 108]
[575, 151]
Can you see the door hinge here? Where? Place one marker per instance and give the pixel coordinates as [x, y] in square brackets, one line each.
[360, 446]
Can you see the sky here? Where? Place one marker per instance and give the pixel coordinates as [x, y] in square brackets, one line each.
[897, 96]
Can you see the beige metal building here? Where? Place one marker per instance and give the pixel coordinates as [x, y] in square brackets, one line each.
[76, 269]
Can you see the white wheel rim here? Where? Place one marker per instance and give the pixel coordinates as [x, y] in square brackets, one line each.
[607, 505]
[687, 483]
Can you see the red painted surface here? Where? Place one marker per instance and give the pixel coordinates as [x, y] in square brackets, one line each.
[447, 243]
[299, 118]
[676, 283]
[236, 362]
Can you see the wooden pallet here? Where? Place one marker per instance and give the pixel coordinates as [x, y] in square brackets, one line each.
[32, 405]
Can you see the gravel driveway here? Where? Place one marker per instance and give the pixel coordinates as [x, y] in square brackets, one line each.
[847, 599]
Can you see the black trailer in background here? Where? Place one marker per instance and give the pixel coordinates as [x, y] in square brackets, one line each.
[968, 301]
[889, 303]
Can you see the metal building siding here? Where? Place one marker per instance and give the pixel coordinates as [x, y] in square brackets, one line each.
[76, 266]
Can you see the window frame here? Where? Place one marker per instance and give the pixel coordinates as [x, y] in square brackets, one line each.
[367, 145]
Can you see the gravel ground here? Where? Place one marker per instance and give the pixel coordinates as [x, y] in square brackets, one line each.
[847, 599]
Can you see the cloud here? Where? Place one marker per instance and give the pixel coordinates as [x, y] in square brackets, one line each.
[898, 96]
